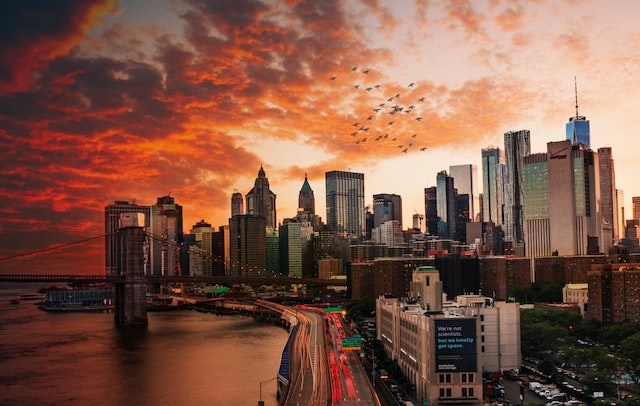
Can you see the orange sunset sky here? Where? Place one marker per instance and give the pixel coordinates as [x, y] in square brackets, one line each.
[104, 100]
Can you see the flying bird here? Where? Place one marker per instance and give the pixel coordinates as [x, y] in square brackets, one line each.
[355, 68]
[365, 71]
[333, 77]
[412, 84]
[404, 150]
[423, 149]
[356, 86]
[390, 122]
[377, 86]
[418, 118]
[421, 99]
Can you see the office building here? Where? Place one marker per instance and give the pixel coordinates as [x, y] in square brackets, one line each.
[261, 201]
[493, 178]
[345, 203]
[562, 190]
[220, 251]
[608, 200]
[517, 145]
[465, 179]
[112, 214]
[247, 245]
[166, 237]
[446, 205]
[291, 247]
[237, 203]
[386, 207]
[201, 249]
[306, 200]
[635, 208]
[444, 347]
[431, 209]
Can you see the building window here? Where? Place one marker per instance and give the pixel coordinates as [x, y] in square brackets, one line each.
[441, 392]
[448, 392]
[482, 328]
[482, 339]
[482, 349]
[464, 392]
[471, 380]
[444, 378]
[471, 394]
[464, 378]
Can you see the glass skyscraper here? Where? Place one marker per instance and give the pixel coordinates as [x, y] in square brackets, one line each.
[578, 131]
[517, 145]
[492, 185]
[446, 205]
[466, 181]
[345, 203]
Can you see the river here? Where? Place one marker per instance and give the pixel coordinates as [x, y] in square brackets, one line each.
[182, 358]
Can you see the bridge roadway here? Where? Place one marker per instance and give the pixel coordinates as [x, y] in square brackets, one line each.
[221, 280]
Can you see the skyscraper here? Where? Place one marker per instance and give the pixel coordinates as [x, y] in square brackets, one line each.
[247, 245]
[446, 200]
[431, 210]
[517, 145]
[386, 206]
[465, 178]
[561, 191]
[635, 207]
[577, 128]
[291, 248]
[237, 203]
[166, 236]
[306, 200]
[201, 249]
[493, 169]
[345, 203]
[112, 214]
[608, 199]
[261, 201]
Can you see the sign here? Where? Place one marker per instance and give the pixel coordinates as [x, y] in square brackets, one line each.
[333, 309]
[353, 343]
[456, 346]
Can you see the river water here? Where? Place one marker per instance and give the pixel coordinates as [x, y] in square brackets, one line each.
[182, 358]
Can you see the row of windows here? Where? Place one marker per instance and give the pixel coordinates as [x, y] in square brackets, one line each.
[464, 378]
[466, 392]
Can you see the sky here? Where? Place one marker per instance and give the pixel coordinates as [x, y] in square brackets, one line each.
[104, 100]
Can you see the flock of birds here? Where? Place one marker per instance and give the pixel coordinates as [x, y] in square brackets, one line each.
[388, 118]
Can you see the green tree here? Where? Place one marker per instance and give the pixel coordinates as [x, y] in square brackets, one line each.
[631, 351]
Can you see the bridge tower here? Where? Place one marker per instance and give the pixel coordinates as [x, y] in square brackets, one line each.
[130, 292]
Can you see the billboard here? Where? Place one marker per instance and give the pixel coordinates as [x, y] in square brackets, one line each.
[456, 346]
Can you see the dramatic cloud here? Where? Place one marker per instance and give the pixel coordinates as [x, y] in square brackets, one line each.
[96, 106]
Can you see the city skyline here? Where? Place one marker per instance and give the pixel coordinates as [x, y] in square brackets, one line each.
[104, 101]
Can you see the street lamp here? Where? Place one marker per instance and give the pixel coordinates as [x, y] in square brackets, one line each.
[260, 401]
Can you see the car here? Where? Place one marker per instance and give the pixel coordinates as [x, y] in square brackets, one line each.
[555, 403]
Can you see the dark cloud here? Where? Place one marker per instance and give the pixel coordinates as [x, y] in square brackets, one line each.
[33, 32]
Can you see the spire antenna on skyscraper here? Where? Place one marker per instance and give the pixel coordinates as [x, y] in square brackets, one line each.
[575, 84]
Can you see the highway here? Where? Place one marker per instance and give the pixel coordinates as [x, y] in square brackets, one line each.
[323, 372]
[349, 382]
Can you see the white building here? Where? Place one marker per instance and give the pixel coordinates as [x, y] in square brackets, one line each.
[443, 351]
